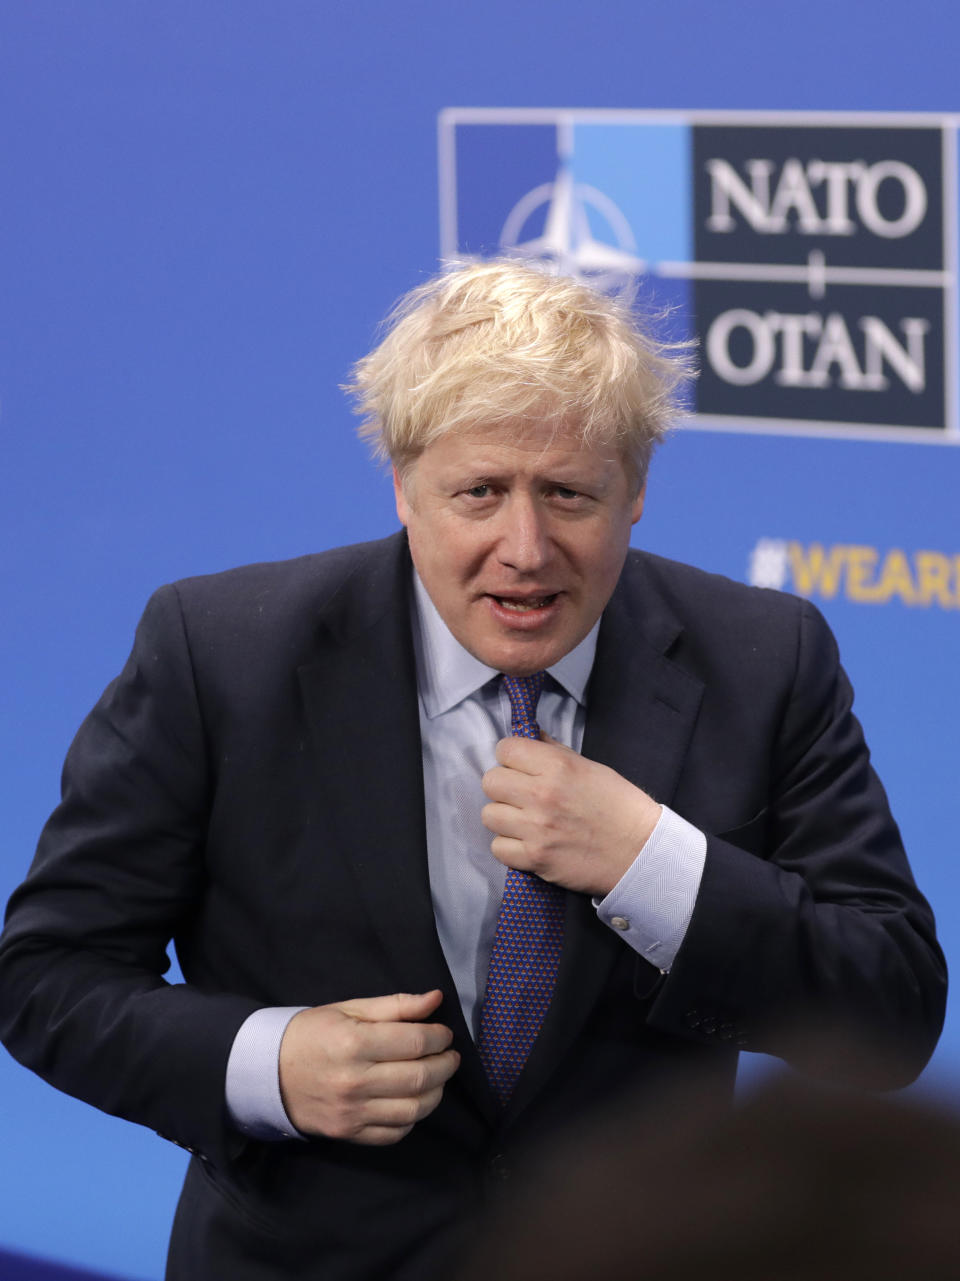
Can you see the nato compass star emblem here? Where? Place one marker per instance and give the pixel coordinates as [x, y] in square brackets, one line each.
[566, 242]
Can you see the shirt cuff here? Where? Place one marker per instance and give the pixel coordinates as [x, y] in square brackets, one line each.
[651, 905]
[253, 1075]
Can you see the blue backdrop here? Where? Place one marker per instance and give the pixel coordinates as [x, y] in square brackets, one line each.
[207, 206]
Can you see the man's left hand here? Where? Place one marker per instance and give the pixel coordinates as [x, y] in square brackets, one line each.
[571, 821]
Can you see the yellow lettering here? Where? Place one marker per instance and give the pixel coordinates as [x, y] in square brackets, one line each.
[933, 579]
[895, 578]
[861, 566]
[813, 571]
[925, 578]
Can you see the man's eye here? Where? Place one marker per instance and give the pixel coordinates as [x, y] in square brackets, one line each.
[563, 492]
[478, 491]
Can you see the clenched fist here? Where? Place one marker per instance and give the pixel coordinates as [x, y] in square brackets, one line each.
[569, 820]
[367, 1070]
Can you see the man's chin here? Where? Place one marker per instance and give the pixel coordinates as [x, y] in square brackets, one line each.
[521, 657]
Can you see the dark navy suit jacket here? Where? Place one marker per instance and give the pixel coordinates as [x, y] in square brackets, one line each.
[251, 787]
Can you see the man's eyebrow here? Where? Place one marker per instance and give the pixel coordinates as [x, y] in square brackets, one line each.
[574, 479]
[574, 469]
[460, 478]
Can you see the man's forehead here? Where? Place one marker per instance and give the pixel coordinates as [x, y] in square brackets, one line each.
[556, 443]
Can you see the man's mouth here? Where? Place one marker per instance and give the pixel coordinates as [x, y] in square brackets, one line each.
[525, 604]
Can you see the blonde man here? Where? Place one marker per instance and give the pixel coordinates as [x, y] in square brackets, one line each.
[464, 833]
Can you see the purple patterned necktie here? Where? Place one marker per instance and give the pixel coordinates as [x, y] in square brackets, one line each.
[527, 943]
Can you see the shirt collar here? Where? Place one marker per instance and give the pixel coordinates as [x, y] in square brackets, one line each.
[447, 673]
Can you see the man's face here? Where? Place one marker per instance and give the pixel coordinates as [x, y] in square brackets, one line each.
[519, 537]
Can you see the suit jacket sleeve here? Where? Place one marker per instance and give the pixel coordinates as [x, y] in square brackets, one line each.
[809, 938]
[118, 872]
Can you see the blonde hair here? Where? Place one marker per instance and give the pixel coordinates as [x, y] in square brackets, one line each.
[501, 341]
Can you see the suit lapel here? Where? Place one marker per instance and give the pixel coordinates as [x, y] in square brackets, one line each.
[361, 699]
[362, 704]
[641, 711]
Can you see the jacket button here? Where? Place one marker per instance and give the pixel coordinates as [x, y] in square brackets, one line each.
[692, 1018]
[499, 1167]
[709, 1025]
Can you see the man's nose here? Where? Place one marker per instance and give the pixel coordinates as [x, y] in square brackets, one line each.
[524, 540]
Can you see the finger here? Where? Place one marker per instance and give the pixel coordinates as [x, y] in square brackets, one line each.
[389, 1120]
[530, 755]
[523, 754]
[505, 820]
[381, 1136]
[507, 785]
[516, 854]
[398, 1007]
[393, 1042]
[410, 1079]
[403, 1112]
[510, 852]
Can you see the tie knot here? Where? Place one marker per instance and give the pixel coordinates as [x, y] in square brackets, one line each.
[524, 694]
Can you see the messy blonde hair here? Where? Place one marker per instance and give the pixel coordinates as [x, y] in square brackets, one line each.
[501, 341]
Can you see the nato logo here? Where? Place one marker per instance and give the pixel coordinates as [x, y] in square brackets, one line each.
[813, 257]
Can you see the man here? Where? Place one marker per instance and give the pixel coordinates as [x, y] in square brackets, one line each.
[416, 943]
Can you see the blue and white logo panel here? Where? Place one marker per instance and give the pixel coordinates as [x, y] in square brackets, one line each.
[813, 257]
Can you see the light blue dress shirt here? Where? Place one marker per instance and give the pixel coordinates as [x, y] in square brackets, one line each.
[464, 712]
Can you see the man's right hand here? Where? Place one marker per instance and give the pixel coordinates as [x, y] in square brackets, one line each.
[365, 1071]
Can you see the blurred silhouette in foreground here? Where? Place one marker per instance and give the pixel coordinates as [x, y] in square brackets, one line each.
[796, 1184]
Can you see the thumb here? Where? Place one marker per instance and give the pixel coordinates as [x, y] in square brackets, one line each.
[399, 1007]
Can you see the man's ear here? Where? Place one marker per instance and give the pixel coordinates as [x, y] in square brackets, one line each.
[403, 507]
[638, 502]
